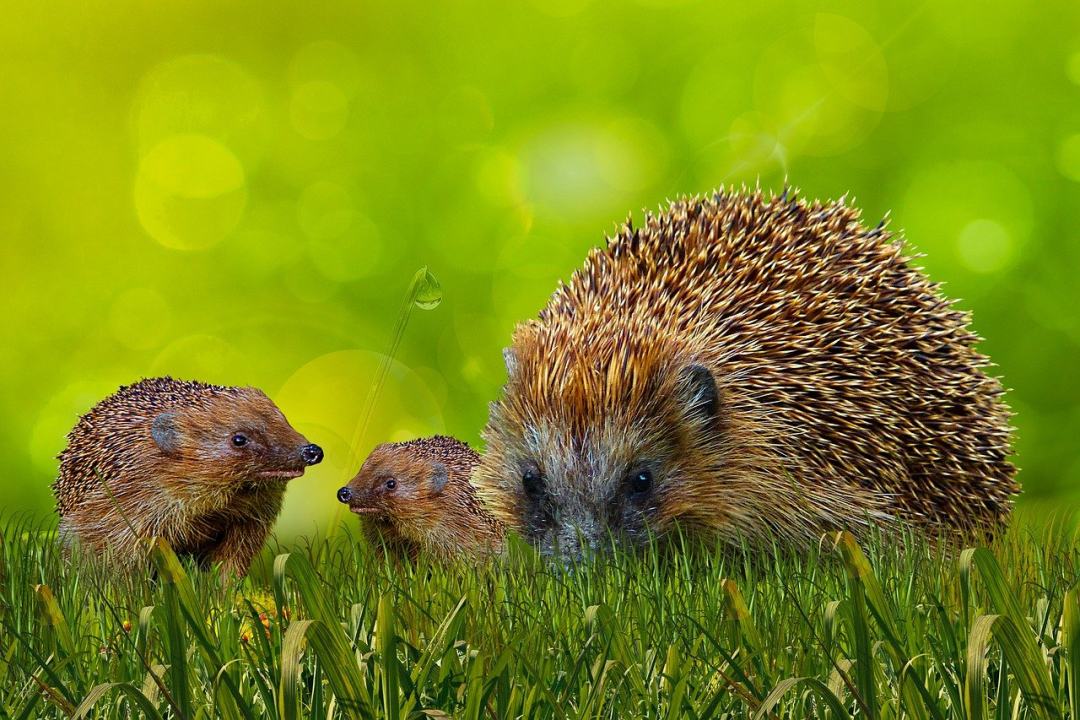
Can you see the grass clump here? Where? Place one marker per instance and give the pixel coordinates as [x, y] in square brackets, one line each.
[897, 627]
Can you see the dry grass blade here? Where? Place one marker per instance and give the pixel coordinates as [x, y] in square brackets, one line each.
[133, 694]
[819, 689]
[57, 622]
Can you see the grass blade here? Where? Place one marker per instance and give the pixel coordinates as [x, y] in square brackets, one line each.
[55, 619]
[386, 647]
[132, 693]
[1070, 620]
[181, 603]
[1020, 652]
[327, 639]
[820, 690]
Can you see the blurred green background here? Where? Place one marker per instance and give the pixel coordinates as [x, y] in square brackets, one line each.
[241, 192]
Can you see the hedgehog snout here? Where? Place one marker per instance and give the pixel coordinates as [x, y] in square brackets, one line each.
[344, 495]
[312, 454]
[574, 538]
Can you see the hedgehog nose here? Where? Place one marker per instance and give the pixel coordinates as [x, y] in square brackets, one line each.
[344, 495]
[312, 454]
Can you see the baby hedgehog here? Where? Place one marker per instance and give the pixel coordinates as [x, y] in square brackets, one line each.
[202, 466]
[416, 497]
[753, 367]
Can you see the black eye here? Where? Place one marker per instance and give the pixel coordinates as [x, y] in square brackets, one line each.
[239, 440]
[640, 482]
[531, 480]
[391, 484]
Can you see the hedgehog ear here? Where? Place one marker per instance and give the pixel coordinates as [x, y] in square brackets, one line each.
[165, 433]
[698, 387]
[511, 361]
[439, 477]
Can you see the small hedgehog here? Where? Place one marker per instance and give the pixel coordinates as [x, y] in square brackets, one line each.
[202, 466]
[746, 367]
[416, 497]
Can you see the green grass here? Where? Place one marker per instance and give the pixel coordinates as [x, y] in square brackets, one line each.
[329, 628]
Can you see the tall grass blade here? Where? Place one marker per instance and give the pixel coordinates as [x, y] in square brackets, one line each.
[866, 591]
[133, 694]
[1070, 621]
[181, 603]
[57, 623]
[1023, 658]
[327, 639]
[860, 580]
[819, 690]
[386, 647]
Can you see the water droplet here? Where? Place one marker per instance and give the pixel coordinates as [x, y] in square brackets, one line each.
[428, 293]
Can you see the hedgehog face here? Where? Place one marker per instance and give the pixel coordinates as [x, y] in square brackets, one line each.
[615, 471]
[575, 494]
[240, 437]
[395, 485]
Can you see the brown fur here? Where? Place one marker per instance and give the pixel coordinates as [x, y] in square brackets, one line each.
[432, 508]
[775, 367]
[157, 459]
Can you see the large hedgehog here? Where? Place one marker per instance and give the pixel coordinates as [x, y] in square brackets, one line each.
[751, 367]
[202, 466]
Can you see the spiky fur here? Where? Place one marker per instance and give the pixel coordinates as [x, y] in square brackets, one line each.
[117, 487]
[849, 390]
[445, 520]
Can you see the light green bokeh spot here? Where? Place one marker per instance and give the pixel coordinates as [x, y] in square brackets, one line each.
[190, 192]
[140, 318]
[805, 104]
[325, 210]
[465, 112]
[1072, 67]
[852, 61]
[754, 148]
[352, 253]
[200, 94]
[497, 175]
[582, 167]
[326, 61]
[349, 257]
[306, 282]
[202, 357]
[1068, 157]
[978, 212]
[985, 246]
[319, 109]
